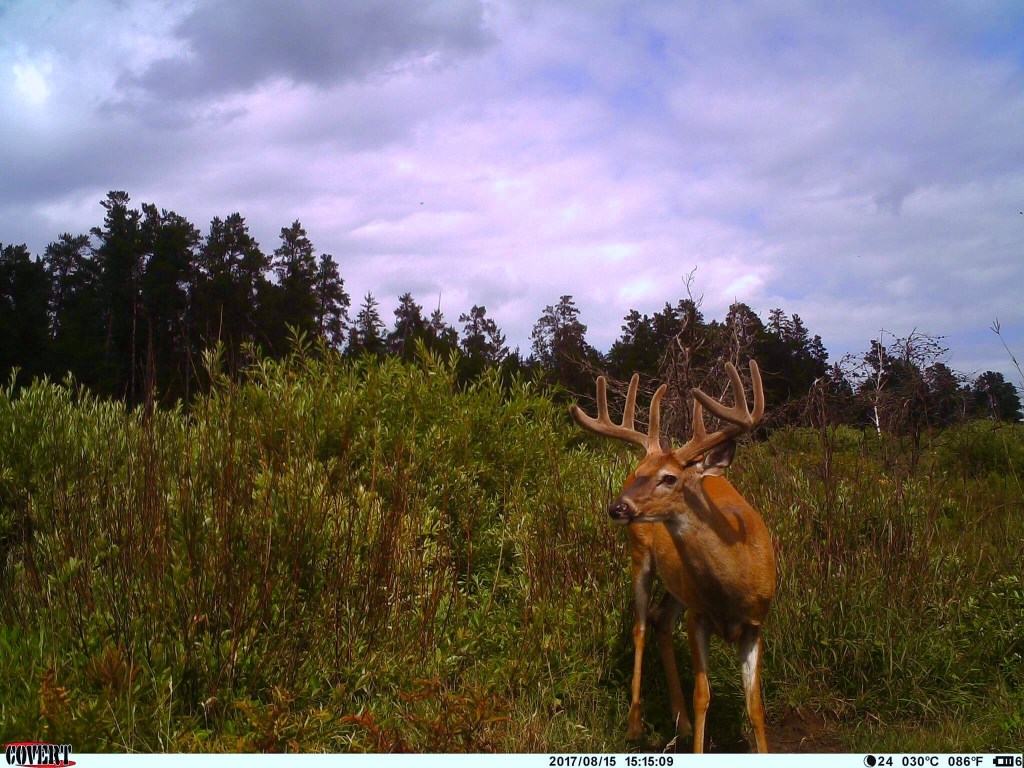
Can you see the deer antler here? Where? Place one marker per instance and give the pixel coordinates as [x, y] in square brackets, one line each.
[740, 419]
[602, 425]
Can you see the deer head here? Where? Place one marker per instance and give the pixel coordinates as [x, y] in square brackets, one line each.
[665, 478]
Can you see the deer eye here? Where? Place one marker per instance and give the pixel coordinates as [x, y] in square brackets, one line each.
[669, 480]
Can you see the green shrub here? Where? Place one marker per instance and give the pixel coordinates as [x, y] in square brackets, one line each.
[982, 449]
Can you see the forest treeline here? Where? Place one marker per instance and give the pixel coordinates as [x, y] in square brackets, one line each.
[129, 308]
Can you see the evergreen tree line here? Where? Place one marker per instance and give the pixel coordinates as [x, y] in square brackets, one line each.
[131, 307]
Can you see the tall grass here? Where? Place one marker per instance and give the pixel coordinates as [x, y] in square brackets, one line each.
[331, 555]
[901, 598]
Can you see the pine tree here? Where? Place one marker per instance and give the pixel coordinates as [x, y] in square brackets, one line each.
[169, 243]
[120, 260]
[637, 350]
[746, 332]
[481, 337]
[24, 295]
[794, 359]
[441, 336]
[996, 398]
[560, 345]
[294, 300]
[947, 395]
[367, 332]
[409, 326]
[76, 309]
[231, 289]
[332, 302]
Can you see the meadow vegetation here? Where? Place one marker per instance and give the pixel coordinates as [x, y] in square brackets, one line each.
[368, 555]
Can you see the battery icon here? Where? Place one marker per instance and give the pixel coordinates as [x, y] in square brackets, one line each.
[1005, 760]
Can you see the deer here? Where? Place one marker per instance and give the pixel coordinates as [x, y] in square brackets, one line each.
[710, 548]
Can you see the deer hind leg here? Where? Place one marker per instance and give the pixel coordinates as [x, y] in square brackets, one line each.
[664, 619]
[750, 655]
[643, 576]
[699, 632]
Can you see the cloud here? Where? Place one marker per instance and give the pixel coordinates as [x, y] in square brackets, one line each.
[30, 79]
[235, 47]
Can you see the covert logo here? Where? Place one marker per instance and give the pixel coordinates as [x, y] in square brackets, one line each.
[38, 754]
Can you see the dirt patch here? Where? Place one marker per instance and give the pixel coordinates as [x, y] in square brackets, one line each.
[801, 731]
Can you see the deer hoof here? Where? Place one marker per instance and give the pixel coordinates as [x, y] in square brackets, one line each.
[636, 727]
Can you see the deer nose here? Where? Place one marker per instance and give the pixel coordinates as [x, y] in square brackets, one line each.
[619, 511]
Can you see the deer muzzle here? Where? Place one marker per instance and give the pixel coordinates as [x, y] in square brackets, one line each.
[621, 511]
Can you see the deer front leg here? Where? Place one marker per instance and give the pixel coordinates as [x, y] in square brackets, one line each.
[699, 633]
[750, 655]
[643, 576]
[664, 619]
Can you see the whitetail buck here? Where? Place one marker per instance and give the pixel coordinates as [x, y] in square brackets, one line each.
[710, 547]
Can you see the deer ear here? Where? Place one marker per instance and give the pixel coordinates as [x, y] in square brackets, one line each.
[718, 458]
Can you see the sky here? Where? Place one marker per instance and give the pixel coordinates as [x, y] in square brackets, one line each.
[860, 164]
